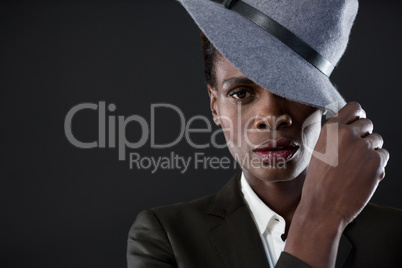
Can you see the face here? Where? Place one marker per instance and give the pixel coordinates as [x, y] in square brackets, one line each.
[269, 136]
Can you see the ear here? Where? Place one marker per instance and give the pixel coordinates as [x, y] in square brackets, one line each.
[213, 103]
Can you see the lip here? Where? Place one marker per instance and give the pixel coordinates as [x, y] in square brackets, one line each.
[281, 150]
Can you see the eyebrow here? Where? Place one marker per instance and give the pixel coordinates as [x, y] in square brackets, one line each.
[237, 80]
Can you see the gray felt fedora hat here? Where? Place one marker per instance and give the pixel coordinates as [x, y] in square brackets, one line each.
[288, 47]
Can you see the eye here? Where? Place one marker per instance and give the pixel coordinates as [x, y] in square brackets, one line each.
[240, 94]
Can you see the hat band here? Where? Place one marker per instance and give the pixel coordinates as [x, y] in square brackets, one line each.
[281, 33]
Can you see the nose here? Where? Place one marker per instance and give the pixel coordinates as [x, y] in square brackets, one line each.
[273, 122]
[272, 112]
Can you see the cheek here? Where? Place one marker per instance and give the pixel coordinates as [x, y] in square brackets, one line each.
[229, 127]
[233, 129]
[229, 122]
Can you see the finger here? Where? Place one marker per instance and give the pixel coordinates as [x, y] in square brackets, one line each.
[384, 156]
[382, 176]
[362, 127]
[375, 140]
[351, 112]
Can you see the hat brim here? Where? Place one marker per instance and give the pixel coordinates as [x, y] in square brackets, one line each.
[263, 58]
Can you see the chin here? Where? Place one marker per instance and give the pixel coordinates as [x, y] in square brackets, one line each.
[274, 173]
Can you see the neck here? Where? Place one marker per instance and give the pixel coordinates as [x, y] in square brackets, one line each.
[280, 196]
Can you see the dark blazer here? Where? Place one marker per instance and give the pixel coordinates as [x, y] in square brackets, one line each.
[218, 231]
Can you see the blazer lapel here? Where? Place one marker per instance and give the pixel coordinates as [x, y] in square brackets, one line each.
[235, 237]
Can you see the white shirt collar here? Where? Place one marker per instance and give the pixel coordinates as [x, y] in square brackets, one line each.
[265, 218]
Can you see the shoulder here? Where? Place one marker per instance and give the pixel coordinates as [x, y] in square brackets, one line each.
[203, 212]
[376, 236]
[379, 216]
[192, 214]
[164, 216]
[156, 233]
[197, 206]
[377, 222]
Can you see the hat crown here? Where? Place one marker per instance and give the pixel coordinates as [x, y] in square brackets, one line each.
[321, 28]
[325, 25]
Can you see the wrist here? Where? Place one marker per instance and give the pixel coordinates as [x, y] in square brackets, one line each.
[312, 217]
[314, 237]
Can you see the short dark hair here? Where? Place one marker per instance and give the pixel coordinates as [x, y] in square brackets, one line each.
[210, 54]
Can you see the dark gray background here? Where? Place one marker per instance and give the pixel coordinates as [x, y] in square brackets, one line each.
[67, 207]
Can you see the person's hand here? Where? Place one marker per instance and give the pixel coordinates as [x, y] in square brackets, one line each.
[340, 192]
[336, 188]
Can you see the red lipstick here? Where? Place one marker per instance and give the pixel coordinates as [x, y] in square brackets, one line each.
[277, 151]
